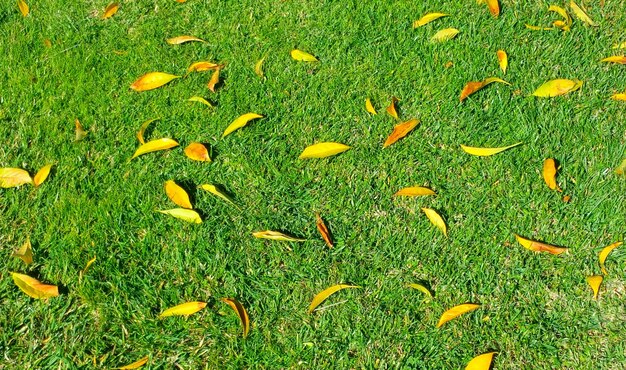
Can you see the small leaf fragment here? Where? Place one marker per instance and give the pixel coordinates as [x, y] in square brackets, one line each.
[81, 133]
[581, 14]
[427, 18]
[484, 152]
[549, 173]
[240, 122]
[215, 79]
[276, 235]
[455, 312]
[135, 365]
[421, 288]
[481, 362]
[197, 152]
[594, 282]
[494, 7]
[400, 131]
[619, 96]
[620, 170]
[324, 294]
[537, 28]
[184, 309]
[183, 39]
[200, 99]
[321, 227]
[188, 215]
[563, 25]
[302, 56]
[557, 87]
[155, 145]
[42, 175]
[241, 313]
[143, 128]
[177, 194]
[110, 10]
[25, 252]
[604, 253]
[536, 246]
[33, 287]
[369, 107]
[473, 86]
[213, 189]
[21, 4]
[503, 60]
[414, 191]
[323, 150]
[258, 68]
[620, 59]
[444, 35]
[391, 109]
[152, 80]
[436, 220]
[202, 66]
[13, 177]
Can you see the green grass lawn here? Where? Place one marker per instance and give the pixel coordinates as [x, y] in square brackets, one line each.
[537, 310]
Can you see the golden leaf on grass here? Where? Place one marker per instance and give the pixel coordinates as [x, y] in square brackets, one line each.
[563, 25]
[152, 80]
[200, 99]
[321, 227]
[240, 122]
[143, 128]
[369, 107]
[503, 60]
[620, 45]
[213, 189]
[323, 150]
[473, 86]
[539, 246]
[557, 87]
[436, 220]
[155, 145]
[47, 43]
[33, 287]
[537, 28]
[202, 66]
[549, 173]
[81, 133]
[400, 131]
[391, 109]
[182, 39]
[428, 18]
[620, 96]
[184, 309]
[12, 177]
[42, 175]
[414, 191]
[215, 79]
[421, 288]
[604, 253]
[135, 365]
[177, 194]
[321, 296]
[25, 252]
[110, 10]
[188, 215]
[197, 152]
[481, 362]
[258, 67]
[241, 313]
[444, 35]
[275, 235]
[302, 56]
[485, 152]
[620, 170]
[620, 59]
[455, 312]
[88, 264]
[581, 14]
[21, 4]
[594, 282]
[494, 7]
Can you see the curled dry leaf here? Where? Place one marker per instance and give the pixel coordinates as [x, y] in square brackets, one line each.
[33, 287]
[321, 227]
[539, 246]
[177, 194]
[445, 35]
[240, 122]
[455, 312]
[13, 177]
[258, 68]
[485, 152]
[155, 145]
[110, 10]
[391, 109]
[503, 60]
[620, 170]
[152, 80]
[183, 39]
[197, 152]
[188, 215]
[436, 220]
[473, 86]
[25, 252]
[481, 362]
[594, 282]
[200, 99]
[81, 133]
[143, 128]
[215, 79]
[620, 59]
[581, 14]
[427, 18]
[276, 235]
[604, 253]
[135, 365]
[421, 288]
[400, 131]
[323, 150]
[324, 294]
[302, 56]
[203, 66]
[414, 191]
[241, 313]
[23, 7]
[549, 173]
[557, 87]
[42, 175]
[494, 7]
[563, 25]
[215, 190]
[369, 107]
[184, 309]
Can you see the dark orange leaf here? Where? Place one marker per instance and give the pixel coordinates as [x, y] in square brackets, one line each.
[321, 226]
[391, 109]
[400, 131]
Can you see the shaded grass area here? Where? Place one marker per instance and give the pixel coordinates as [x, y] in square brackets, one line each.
[537, 310]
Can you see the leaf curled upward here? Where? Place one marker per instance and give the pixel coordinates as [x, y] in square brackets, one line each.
[324, 294]
[241, 313]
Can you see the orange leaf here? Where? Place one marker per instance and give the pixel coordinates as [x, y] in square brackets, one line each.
[33, 287]
[177, 194]
[81, 133]
[152, 80]
[473, 86]
[400, 131]
[321, 226]
[539, 246]
[241, 313]
[549, 173]
[455, 312]
[494, 7]
[197, 152]
[215, 79]
[503, 60]
[110, 10]
[391, 109]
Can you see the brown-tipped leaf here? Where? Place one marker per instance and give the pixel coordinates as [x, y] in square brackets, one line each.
[539, 246]
[241, 313]
[33, 287]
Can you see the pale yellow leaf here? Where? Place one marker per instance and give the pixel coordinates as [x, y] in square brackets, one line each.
[240, 122]
[481, 362]
[369, 107]
[110, 10]
[557, 87]
[436, 220]
[203, 66]
[188, 215]
[197, 152]
[177, 194]
[455, 312]
[324, 294]
[21, 4]
[581, 14]
[25, 252]
[536, 246]
[427, 18]
[414, 191]
[213, 189]
[473, 86]
[143, 128]
[276, 235]
[302, 56]
[444, 35]
[241, 313]
[503, 60]
[155, 145]
[400, 131]
[135, 365]
[184, 309]
[323, 150]
[33, 287]
[200, 99]
[42, 175]
[421, 288]
[258, 67]
[80, 132]
[182, 39]
[594, 282]
[605, 253]
[620, 59]
[13, 177]
[484, 152]
[152, 80]
[549, 173]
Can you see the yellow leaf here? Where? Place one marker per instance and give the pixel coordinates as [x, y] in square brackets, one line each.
[240, 122]
[321, 296]
[217, 192]
[436, 220]
[455, 312]
[25, 253]
[537, 28]
[177, 194]
[143, 128]
[184, 214]
[473, 86]
[33, 287]
[241, 313]
[620, 170]
[215, 79]
[621, 96]
[321, 227]
[89, 263]
[258, 67]
[202, 66]
[182, 39]
[444, 35]
[369, 107]
[200, 99]
[110, 10]
[197, 152]
[414, 191]
[400, 131]
[21, 4]
[323, 150]
[184, 309]
[155, 145]
[494, 7]
[536, 246]
[481, 362]
[80, 131]
[12, 177]
[275, 235]
[503, 60]
[302, 56]
[620, 45]
[391, 109]
[549, 173]
[42, 175]
[565, 26]
[581, 14]
[135, 365]
[484, 152]
[620, 59]
[152, 80]
[557, 87]
[428, 18]
[421, 288]
[605, 253]
[594, 282]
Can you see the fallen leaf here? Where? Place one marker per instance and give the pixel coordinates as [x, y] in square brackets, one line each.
[427, 18]
[323, 150]
[135, 365]
[155, 145]
[473, 86]
[455, 312]
[321, 227]
[581, 14]
[503, 60]
[21, 4]
[241, 313]
[213, 189]
[444, 35]
[47, 43]
[302, 56]
[421, 288]
[12, 177]
[494, 7]
[110, 10]
[539, 246]
[203, 66]
[215, 79]
[557, 87]
[484, 152]
[275, 235]
[184, 309]
[42, 175]
[436, 220]
[321, 296]
[620, 59]
[621, 96]
[594, 282]
[152, 80]
[481, 362]
[563, 25]
[605, 253]
[143, 128]
[620, 45]
[197, 152]
[240, 122]
[414, 191]
[81, 133]
[188, 215]
[177, 194]
[566, 198]
[391, 109]
[369, 107]
[89, 263]
[537, 28]
[25, 252]
[620, 170]
[258, 67]
[200, 99]
[549, 173]
[182, 39]
[400, 131]
[33, 287]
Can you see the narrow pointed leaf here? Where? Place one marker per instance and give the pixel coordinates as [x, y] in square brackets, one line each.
[503, 60]
[427, 18]
[80, 133]
[605, 253]
[536, 246]
[152, 80]
[258, 68]
[369, 107]
[323, 150]
[33, 287]
[197, 152]
[302, 56]
[391, 109]
[620, 170]
[143, 128]
[484, 152]
[241, 313]
[557, 87]
[110, 10]
[276, 235]
[414, 191]
[88, 264]
[481, 362]
[177, 194]
[594, 282]
[182, 39]
[215, 79]
[13, 177]
[184, 309]
[549, 173]
[21, 4]
[537, 28]
[421, 288]
[321, 227]
[135, 365]
[473, 86]
[25, 252]
[581, 14]
[217, 192]
[620, 59]
[436, 220]
[203, 66]
[42, 175]
[240, 122]
[200, 99]
[455, 312]
[494, 7]
[188, 215]
[444, 35]
[155, 145]
[324, 294]
[400, 131]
